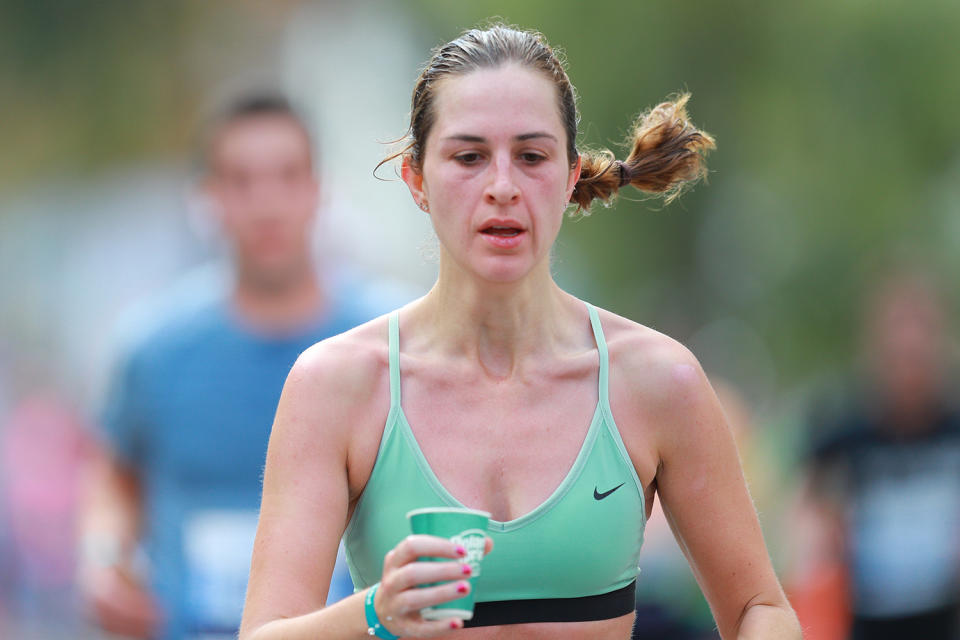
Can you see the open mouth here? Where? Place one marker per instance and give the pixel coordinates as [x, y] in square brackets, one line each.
[503, 232]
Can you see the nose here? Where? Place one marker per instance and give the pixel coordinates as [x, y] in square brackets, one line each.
[267, 198]
[502, 188]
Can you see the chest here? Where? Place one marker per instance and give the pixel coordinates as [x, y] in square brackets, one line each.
[501, 447]
[206, 420]
[926, 463]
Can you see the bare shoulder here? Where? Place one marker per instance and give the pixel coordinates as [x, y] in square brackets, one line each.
[656, 381]
[335, 382]
[347, 362]
[678, 436]
[653, 363]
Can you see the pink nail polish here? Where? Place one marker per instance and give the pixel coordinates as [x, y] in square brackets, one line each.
[454, 624]
[461, 551]
[462, 587]
[466, 569]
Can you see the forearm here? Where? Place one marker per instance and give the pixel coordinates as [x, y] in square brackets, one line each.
[109, 524]
[343, 620]
[769, 622]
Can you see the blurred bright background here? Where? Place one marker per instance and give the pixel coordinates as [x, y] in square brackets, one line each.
[838, 153]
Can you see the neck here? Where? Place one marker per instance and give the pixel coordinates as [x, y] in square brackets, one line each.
[499, 325]
[278, 307]
[913, 419]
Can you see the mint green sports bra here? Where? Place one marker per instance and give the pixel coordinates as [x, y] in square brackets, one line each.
[572, 558]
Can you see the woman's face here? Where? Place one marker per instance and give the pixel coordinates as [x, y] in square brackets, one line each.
[495, 174]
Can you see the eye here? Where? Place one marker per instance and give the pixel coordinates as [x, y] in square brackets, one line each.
[469, 158]
[529, 157]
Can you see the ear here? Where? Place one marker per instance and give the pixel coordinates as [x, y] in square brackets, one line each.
[574, 177]
[414, 179]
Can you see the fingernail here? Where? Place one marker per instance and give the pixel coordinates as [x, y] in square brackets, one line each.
[462, 587]
[461, 550]
[467, 570]
[455, 624]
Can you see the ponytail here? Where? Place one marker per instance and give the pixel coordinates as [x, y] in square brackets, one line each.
[666, 156]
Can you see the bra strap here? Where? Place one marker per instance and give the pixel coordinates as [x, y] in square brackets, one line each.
[603, 389]
[393, 346]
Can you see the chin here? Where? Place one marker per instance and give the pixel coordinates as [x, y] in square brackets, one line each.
[274, 274]
[505, 272]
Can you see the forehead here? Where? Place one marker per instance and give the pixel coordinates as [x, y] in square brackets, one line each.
[509, 100]
[260, 141]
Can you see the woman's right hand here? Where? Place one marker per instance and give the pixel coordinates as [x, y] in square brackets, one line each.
[119, 602]
[398, 600]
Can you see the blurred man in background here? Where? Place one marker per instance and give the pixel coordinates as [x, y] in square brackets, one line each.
[171, 509]
[884, 483]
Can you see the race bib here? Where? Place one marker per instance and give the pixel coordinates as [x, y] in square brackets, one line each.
[217, 546]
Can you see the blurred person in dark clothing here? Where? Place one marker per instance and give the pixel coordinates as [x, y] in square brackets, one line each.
[173, 499]
[885, 480]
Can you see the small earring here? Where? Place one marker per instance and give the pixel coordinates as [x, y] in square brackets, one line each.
[423, 205]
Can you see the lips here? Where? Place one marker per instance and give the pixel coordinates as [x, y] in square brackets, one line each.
[502, 231]
[503, 227]
[503, 234]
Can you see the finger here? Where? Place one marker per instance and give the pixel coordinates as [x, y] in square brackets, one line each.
[433, 628]
[136, 614]
[421, 546]
[133, 620]
[132, 607]
[417, 573]
[413, 600]
[488, 545]
[123, 623]
[126, 629]
[129, 599]
[122, 604]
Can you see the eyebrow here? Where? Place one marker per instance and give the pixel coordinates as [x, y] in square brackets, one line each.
[463, 137]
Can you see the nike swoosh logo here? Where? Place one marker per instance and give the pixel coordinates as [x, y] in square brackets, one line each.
[600, 496]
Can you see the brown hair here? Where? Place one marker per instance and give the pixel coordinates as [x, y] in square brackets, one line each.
[666, 149]
[251, 104]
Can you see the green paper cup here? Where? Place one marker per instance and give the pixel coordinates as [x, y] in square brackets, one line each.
[467, 527]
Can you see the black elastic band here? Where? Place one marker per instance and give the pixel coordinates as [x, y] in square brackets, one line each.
[602, 607]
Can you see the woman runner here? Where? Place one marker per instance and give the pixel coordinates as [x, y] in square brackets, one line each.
[499, 391]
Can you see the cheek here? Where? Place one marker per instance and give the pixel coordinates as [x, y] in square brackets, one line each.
[551, 196]
[242, 230]
[449, 186]
[307, 196]
[299, 210]
[234, 205]
[452, 198]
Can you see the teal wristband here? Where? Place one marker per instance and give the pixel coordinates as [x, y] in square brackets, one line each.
[374, 628]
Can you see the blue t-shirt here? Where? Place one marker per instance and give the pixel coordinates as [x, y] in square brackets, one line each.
[191, 409]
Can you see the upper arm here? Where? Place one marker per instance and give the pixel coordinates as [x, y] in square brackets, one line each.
[703, 491]
[305, 498]
[125, 410]
[111, 500]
